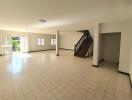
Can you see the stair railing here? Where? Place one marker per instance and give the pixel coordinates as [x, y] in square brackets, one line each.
[79, 43]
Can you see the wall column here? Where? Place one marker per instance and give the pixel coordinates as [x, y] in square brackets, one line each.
[57, 43]
[96, 45]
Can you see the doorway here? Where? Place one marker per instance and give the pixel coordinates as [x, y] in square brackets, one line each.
[18, 43]
[110, 47]
[15, 42]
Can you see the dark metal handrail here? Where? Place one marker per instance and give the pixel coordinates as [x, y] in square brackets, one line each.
[79, 43]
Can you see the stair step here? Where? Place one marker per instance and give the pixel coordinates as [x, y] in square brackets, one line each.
[83, 48]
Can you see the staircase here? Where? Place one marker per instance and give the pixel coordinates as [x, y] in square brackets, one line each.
[82, 48]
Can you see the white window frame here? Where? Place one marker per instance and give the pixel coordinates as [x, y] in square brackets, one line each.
[53, 41]
[40, 41]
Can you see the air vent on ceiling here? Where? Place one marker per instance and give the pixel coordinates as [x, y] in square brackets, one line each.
[42, 21]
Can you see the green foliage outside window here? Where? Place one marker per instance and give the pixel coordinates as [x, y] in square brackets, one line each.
[15, 45]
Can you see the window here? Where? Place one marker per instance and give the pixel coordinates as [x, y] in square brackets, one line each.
[40, 41]
[8, 40]
[53, 41]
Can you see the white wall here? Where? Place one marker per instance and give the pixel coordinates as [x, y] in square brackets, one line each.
[69, 39]
[47, 40]
[101, 47]
[31, 40]
[126, 35]
[130, 69]
[4, 34]
[110, 49]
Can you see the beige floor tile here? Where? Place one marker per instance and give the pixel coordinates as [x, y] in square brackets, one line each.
[44, 76]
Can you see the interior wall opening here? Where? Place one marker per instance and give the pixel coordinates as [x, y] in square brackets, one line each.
[109, 47]
[17, 43]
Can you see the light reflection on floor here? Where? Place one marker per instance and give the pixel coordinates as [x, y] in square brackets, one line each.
[17, 61]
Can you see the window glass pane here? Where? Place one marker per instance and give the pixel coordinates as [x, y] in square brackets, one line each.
[42, 40]
[39, 41]
[54, 41]
[8, 41]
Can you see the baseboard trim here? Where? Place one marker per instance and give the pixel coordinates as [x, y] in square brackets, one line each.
[127, 75]
[41, 50]
[98, 63]
[28, 52]
[67, 49]
[95, 65]
[101, 60]
[124, 73]
[57, 54]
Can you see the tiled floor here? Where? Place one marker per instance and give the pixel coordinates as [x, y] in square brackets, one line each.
[44, 76]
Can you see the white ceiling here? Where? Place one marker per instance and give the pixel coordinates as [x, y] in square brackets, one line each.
[23, 15]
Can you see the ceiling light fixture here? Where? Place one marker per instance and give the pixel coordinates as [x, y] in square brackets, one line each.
[42, 21]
